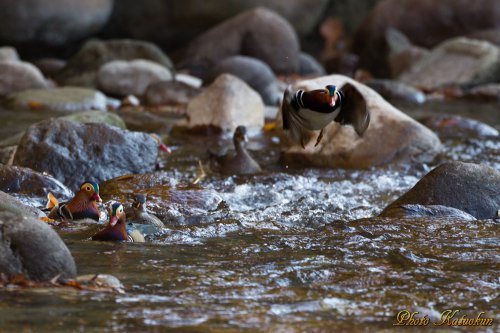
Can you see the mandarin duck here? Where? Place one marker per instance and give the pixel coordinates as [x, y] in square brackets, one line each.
[314, 109]
[82, 205]
[116, 230]
[139, 213]
[241, 162]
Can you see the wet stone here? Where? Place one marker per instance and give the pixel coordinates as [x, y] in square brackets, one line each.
[64, 99]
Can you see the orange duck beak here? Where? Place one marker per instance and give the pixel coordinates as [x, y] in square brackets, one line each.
[96, 197]
[113, 221]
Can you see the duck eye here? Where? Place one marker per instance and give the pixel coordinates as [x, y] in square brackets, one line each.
[88, 188]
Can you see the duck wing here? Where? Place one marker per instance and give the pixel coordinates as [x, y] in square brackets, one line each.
[354, 110]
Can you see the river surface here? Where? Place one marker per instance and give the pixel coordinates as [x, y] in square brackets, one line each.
[295, 250]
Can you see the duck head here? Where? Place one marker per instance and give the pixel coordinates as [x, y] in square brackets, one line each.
[116, 214]
[161, 145]
[91, 191]
[331, 95]
[139, 202]
[240, 135]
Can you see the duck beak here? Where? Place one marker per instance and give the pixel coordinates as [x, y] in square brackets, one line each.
[164, 147]
[96, 197]
[113, 221]
[332, 101]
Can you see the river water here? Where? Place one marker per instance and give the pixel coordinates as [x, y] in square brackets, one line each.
[294, 251]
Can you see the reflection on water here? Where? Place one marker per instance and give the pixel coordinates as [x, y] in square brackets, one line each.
[295, 251]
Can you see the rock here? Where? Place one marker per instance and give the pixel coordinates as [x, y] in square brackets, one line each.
[426, 23]
[394, 90]
[112, 119]
[19, 75]
[81, 69]
[7, 154]
[52, 23]
[193, 81]
[8, 53]
[477, 61]
[10, 204]
[19, 180]
[391, 136]
[174, 23]
[130, 77]
[226, 104]
[165, 197]
[169, 93]
[258, 33]
[99, 117]
[472, 188]
[457, 126]
[32, 248]
[64, 99]
[405, 59]
[50, 67]
[309, 66]
[257, 74]
[414, 211]
[486, 93]
[73, 152]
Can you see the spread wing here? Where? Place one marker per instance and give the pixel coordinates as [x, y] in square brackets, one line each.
[354, 110]
[293, 124]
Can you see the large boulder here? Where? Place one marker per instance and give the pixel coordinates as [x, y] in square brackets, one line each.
[425, 22]
[173, 23]
[258, 33]
[18, 75]
[8, 53]
[32, 248]
[81, 69]
[254, 72]
[472, 188]
[55, 22]
[227, 103]
[391, 136]
[19, 180]
[10, 204]
[130, 77]
[63, 99]
[73, 152]
[456, 61]
[169, 93]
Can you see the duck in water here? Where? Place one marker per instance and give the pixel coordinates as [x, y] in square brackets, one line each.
[82, 205]
[241, 162]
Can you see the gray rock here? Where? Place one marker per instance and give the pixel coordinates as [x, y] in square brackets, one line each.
[425, 22]
[452, 126]
[414, 211]
[73, 152]
[405, 59]
[52, 23]
[486, 92]
[81, 69]
[309, 66]
[64, 99]
[472, 188]
[254, 72]
[10, 204]
[8, 53]
[403, 138]
[169, 93]
[258, 33]
[19, 75]
[456, 61]
[19, 180]
[394, 90]
[32, 248]
[226, 104]
[174, 23]
[124, 78]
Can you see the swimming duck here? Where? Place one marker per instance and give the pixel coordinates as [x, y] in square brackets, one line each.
[139, 213]
[314, 109]
[241, 162]
[82, 205]
[116, 230]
